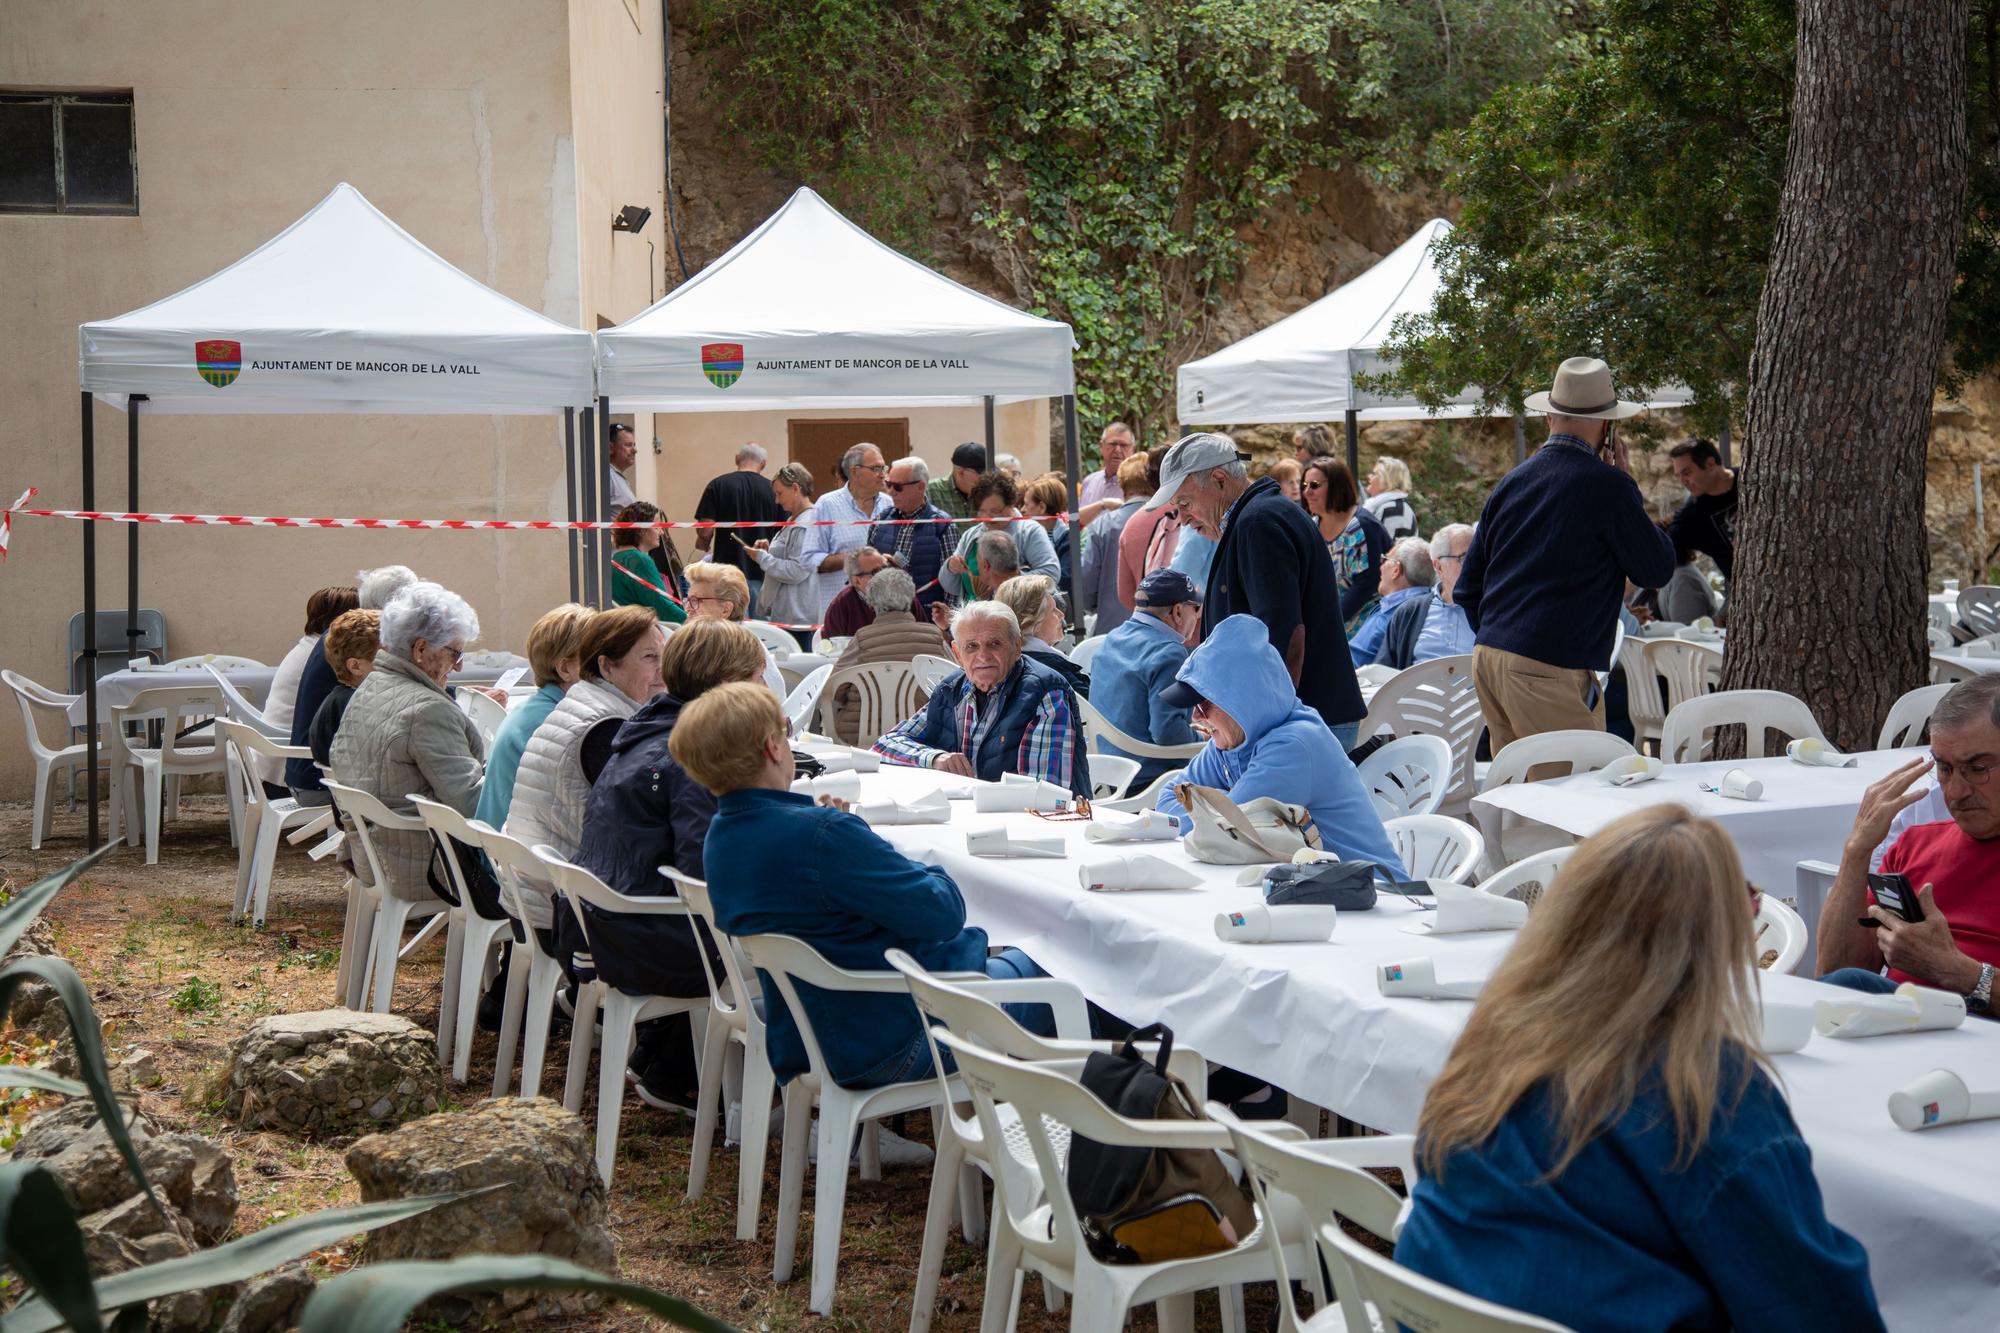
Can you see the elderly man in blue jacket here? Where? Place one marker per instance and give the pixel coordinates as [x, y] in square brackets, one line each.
[1263, 742]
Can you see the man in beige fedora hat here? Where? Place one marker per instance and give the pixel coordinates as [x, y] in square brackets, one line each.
[1546, 571]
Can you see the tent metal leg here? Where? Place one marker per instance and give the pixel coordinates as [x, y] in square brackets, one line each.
[1354, 443]
[569, 478]
[989, 432]
[1520, 438]
[604, 544]
[90, 612]
[586, 473]
[132, 529]
[1072, 467]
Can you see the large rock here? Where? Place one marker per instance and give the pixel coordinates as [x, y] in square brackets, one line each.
[332, 1072]
[192, 1174]
[135, 1233]
[553, 1201]
[35, 1008]
[271, 1302]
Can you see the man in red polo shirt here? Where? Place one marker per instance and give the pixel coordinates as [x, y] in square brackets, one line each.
[1954, 865]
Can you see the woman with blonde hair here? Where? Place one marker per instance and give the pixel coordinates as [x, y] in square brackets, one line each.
[1310, 442]
[1604, 1146]
[1032, 599]
[720, 592]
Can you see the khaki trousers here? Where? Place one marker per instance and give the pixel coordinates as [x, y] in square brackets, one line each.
[1523, 697]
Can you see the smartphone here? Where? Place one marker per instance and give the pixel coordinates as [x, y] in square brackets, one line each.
[1893, 893]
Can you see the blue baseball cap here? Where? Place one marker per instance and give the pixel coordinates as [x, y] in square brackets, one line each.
[1166, 587]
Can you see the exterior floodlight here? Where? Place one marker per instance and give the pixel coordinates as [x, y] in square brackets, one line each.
[631, 218]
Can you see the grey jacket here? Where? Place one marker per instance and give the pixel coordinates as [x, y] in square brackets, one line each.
[403, 736]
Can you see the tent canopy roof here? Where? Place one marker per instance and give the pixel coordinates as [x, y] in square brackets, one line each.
[343, 311]
[809, 309]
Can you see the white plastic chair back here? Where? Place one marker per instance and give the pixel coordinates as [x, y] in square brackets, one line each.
[1085, 651]
[1528, 878]
[1111, 775]
[525, 890]
[1437, 846]
[1434, 698]
[885, 692]
[788, 961]
[1617, 647]
[1644, 703]
[1146, 800]
[1946, 671]
[486, 713]
[238, 742]
[219, 661]
[931, 670]
[177, 751]
[1979, 608]
[1408, 776]
[31, 696]
[1937, 637]
[242, 710]
[445, 823]
[779, 641]
[362, 813]
[1098, 732]
[582, 886]
[1572, 751]
[1781, 934]
[1411, 1300]
[1909, 717]
[1690, 669]
[803, 701]
[1686, 739]
[730, 994]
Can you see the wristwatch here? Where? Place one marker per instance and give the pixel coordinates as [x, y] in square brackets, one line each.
[1979, 999]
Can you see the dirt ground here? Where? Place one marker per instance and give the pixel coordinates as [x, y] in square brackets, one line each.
[169, 974]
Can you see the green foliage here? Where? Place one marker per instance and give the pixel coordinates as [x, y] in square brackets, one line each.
[197, 995]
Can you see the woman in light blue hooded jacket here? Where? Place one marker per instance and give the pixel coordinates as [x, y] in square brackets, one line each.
[1285, 750]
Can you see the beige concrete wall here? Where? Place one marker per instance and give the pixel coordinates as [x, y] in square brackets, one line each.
[454, 117]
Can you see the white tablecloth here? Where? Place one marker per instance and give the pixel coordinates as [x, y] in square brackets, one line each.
[1309, 1017]
[1803, 815]
[119, 688]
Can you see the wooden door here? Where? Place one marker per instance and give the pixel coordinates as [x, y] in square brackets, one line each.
[819, 444]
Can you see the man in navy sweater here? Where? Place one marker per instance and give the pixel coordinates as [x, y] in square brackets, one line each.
[1558, 539]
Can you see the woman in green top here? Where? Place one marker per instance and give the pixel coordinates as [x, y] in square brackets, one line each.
[633, 565]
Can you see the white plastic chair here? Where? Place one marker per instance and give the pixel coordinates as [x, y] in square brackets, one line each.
[51, 762]
[486, 713]
[1979, 608]
[1322, 1178]
[842, 1111]
[1046, 1237]
[1434, 698]
[734, 1033]
[1111, 775]
[469, 943]
[971, 1009]
[1909, 716]
[529, 1005]
[621, 1013]
[803, 702]
[779, 641]
[1510, 837]
[1781, 935]
[885, 692]
[158, 769]
[1437, 846]
[219, 661]
[1946, 671]
[1410, 1300]
[390, 914]
[1644, 703]
[265, 819]
[1690, 669]
[1408, 776]
[932, 671]
[1098, 733]
[1145, 800]
[1086, 650]
[1936, 637]
[239, 709]
[1686, 740]
[1529, 878]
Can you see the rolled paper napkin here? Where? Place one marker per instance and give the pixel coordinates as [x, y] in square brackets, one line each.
[1982, 648]
[1630, 771]
[846, 786]
[1787, 1027]
[1737, 785]
[1146, 826]
[843, 759]
[1416, 979]
[930, 808]
[1137, 871]
[1298, 923]
[1940, 1098]
[1014, 792]
[1818, 754]
[1462, 908]
[1706, 624]
[1911, 1009]
[997, 842]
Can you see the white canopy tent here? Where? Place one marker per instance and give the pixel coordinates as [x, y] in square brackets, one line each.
[342, 312]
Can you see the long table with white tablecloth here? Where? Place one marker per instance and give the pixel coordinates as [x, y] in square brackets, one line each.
[1308, 1017]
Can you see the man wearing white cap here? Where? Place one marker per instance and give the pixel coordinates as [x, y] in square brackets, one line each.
[1558, 539]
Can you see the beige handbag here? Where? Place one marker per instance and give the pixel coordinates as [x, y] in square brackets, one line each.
[1225, 833]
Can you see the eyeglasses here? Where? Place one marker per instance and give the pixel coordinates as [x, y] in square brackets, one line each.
[1442, 558]
[869, 467]
[696, 599]
[903, 485]
[1315, 485]
[1975, 773]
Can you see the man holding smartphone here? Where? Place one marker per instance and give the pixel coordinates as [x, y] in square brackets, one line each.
[1932, 915]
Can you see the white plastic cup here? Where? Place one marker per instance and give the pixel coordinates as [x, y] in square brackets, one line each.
[1292, 923]
[1738, 785]
[1939, 1098]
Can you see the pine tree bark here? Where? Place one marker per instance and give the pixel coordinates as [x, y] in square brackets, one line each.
[1828, 599]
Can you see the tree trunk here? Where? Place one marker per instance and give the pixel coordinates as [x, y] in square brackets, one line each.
[1828, 600]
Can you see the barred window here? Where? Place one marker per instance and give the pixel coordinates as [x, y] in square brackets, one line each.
[68, 153]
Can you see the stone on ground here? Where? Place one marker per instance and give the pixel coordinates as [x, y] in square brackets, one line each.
[553, 1201]
[271, 1302]
[193, 1175]
[332, 1072]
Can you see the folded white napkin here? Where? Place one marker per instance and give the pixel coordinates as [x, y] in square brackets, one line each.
[1416, 979]
[1940, 1098]
[844, 759]
[1137, 871]
[930, 808]
[1818, 754]
[1911, 1009]
[1289, 923]
[1737, 785]
[997, 842]
[846, 786]
[1461, 908]
[1146, 826]
[1014, 792]
[1629, 771]
[1704, 623]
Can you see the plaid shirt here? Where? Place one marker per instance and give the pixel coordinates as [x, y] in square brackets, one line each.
[1046, 744]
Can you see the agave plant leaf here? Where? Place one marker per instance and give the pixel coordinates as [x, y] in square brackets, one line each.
[41, 1080]
[39, 1239]
[22, 909]
[239, 1260]
[83, 1025]
[377, 1298]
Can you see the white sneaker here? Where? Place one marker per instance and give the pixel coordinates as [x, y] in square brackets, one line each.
[732, 1127]
[896, 1150]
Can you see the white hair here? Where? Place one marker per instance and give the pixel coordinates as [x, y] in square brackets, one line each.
[1413, 556]
[890, 590]
[753, 453]
[919, 470]
[1442, 539]
[996, 611]
[378, 587]
[427, 611]
[1007, 463]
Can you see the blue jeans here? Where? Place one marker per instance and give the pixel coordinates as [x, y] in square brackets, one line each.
[1861, 979]
[914, 1061]
[1346, 733]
